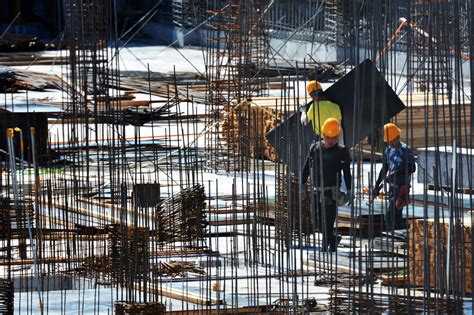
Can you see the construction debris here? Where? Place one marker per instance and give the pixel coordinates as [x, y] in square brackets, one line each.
[12, 81]
[177, 268]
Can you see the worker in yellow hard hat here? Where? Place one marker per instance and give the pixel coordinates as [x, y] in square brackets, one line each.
[399, 163]
[326, 161]
[320, 109]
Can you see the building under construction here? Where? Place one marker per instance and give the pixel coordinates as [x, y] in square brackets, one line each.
[151, 156]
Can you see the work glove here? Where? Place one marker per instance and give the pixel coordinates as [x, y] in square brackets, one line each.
[403, 192]
[304, 118]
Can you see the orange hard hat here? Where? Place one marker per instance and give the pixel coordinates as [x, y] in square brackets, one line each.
[390, 132]
[313, 86]
[331, 127]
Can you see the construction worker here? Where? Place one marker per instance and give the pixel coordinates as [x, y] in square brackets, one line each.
[325, 161]
[399, 162]
[320, 109]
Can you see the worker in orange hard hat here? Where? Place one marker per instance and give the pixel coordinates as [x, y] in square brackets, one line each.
[319, 109]
[325, 162]
[399, 163]
[391, 133]
[313, 86]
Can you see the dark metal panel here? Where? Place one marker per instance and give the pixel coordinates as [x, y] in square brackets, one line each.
[367, 101]
[291, 141]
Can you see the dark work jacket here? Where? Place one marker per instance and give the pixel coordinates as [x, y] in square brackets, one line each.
[399, 163]
[334, 160]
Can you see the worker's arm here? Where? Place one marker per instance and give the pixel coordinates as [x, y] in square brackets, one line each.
[304, 118]
[304, 113]
[306, 167]
[376, 189]
[409, 160]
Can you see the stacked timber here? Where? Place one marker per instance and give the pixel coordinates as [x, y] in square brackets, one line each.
[429, 122]
[428, 254]
[245, 125]
[182, 217]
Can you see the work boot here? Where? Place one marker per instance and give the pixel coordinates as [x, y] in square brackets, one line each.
[334, 242]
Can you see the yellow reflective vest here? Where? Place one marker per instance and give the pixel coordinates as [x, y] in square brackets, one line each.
[327, 109]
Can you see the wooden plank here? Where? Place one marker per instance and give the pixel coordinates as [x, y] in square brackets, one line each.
[178, 295]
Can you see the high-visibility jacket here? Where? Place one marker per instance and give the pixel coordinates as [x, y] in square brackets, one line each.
[327, 109]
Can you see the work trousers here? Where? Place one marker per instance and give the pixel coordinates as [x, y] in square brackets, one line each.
[326, 216]
[394, 215]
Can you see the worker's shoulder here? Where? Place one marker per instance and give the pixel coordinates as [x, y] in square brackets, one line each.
[315, 145]
[342, 148]
[407, 150]
[332, 108]
[328, 103]
[405, 146]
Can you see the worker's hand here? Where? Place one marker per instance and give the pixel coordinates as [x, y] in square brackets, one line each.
[349, 197]
[304, 118]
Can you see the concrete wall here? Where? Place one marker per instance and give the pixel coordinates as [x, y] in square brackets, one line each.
[180, 37]
[430, 159]
[299, 50]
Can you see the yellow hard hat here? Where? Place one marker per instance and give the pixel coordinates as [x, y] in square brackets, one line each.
[331, 127]
[390, 132]
[313, 86]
